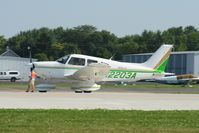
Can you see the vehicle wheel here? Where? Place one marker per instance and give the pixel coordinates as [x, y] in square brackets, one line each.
[87, 91]
[13, 79]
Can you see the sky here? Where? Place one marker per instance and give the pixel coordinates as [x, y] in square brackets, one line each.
[121, 17]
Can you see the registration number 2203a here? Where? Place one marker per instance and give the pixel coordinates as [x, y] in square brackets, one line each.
[121, 74]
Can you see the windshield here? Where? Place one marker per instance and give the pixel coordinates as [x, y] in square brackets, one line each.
[63, 60]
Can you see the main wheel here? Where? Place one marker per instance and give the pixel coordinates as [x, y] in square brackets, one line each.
[87, 91]
[43, 91]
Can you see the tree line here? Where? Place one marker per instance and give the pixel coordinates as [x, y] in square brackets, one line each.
[50, 44]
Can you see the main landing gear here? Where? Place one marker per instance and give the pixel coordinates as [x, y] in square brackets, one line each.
[83, 91]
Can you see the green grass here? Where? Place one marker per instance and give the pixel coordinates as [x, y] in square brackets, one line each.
[179, 89]
[67, 85]
[98, 121]
[11, 84]
[148, 85]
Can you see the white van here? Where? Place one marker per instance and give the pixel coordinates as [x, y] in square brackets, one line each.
[9, 75]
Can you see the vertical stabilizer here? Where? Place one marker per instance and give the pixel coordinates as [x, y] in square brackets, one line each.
[159, 59]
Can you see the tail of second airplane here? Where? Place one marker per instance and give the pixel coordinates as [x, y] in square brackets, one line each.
[159, 59]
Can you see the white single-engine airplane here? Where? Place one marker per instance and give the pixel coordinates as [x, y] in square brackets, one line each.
[86, 71]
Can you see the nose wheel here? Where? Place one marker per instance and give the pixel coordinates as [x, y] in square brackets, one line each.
[78, 91]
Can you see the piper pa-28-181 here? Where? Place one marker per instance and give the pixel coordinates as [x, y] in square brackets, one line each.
[85, 72]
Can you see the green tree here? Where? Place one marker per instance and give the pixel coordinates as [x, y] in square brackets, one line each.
[70, 48]
[50, 44]
[57, 50]
[2, 44]
[86, 28]
[193, 41]
[41, 57]
[103, 52]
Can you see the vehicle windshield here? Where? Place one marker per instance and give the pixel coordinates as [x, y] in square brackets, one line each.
[63, 60]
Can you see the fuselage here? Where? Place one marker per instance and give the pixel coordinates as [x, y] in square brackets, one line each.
[119, 71]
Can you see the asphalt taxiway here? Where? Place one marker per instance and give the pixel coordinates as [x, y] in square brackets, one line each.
[98, 100]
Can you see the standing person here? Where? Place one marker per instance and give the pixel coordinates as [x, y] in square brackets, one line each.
[32, 81]
[28, 83]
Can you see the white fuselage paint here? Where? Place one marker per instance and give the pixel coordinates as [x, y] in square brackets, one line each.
[119, 71]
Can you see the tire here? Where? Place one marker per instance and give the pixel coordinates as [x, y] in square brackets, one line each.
[43, 91]
[13, 79]
[87, 91]
[78, 91]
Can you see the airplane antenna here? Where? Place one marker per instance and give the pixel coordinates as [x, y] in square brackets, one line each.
[112, 57]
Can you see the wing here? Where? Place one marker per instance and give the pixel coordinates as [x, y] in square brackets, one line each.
[85, 79]
[187, 77]
[94, 72]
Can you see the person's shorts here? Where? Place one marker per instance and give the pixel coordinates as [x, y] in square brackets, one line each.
[33, 81]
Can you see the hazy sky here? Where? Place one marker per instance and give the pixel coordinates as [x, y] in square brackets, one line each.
[121, 17]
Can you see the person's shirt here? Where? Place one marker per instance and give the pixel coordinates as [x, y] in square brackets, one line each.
[33, 75]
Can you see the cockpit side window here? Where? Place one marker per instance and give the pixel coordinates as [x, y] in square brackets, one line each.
[91, 61]
[77, 61]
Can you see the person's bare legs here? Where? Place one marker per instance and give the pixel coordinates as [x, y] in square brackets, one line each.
[29, 85]
[32, 85]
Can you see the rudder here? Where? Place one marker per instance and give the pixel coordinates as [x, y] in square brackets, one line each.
[159, 59]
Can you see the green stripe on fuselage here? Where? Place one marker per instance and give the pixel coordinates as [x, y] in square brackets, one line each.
[112, 70]
[132, 70]
[115, 73]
